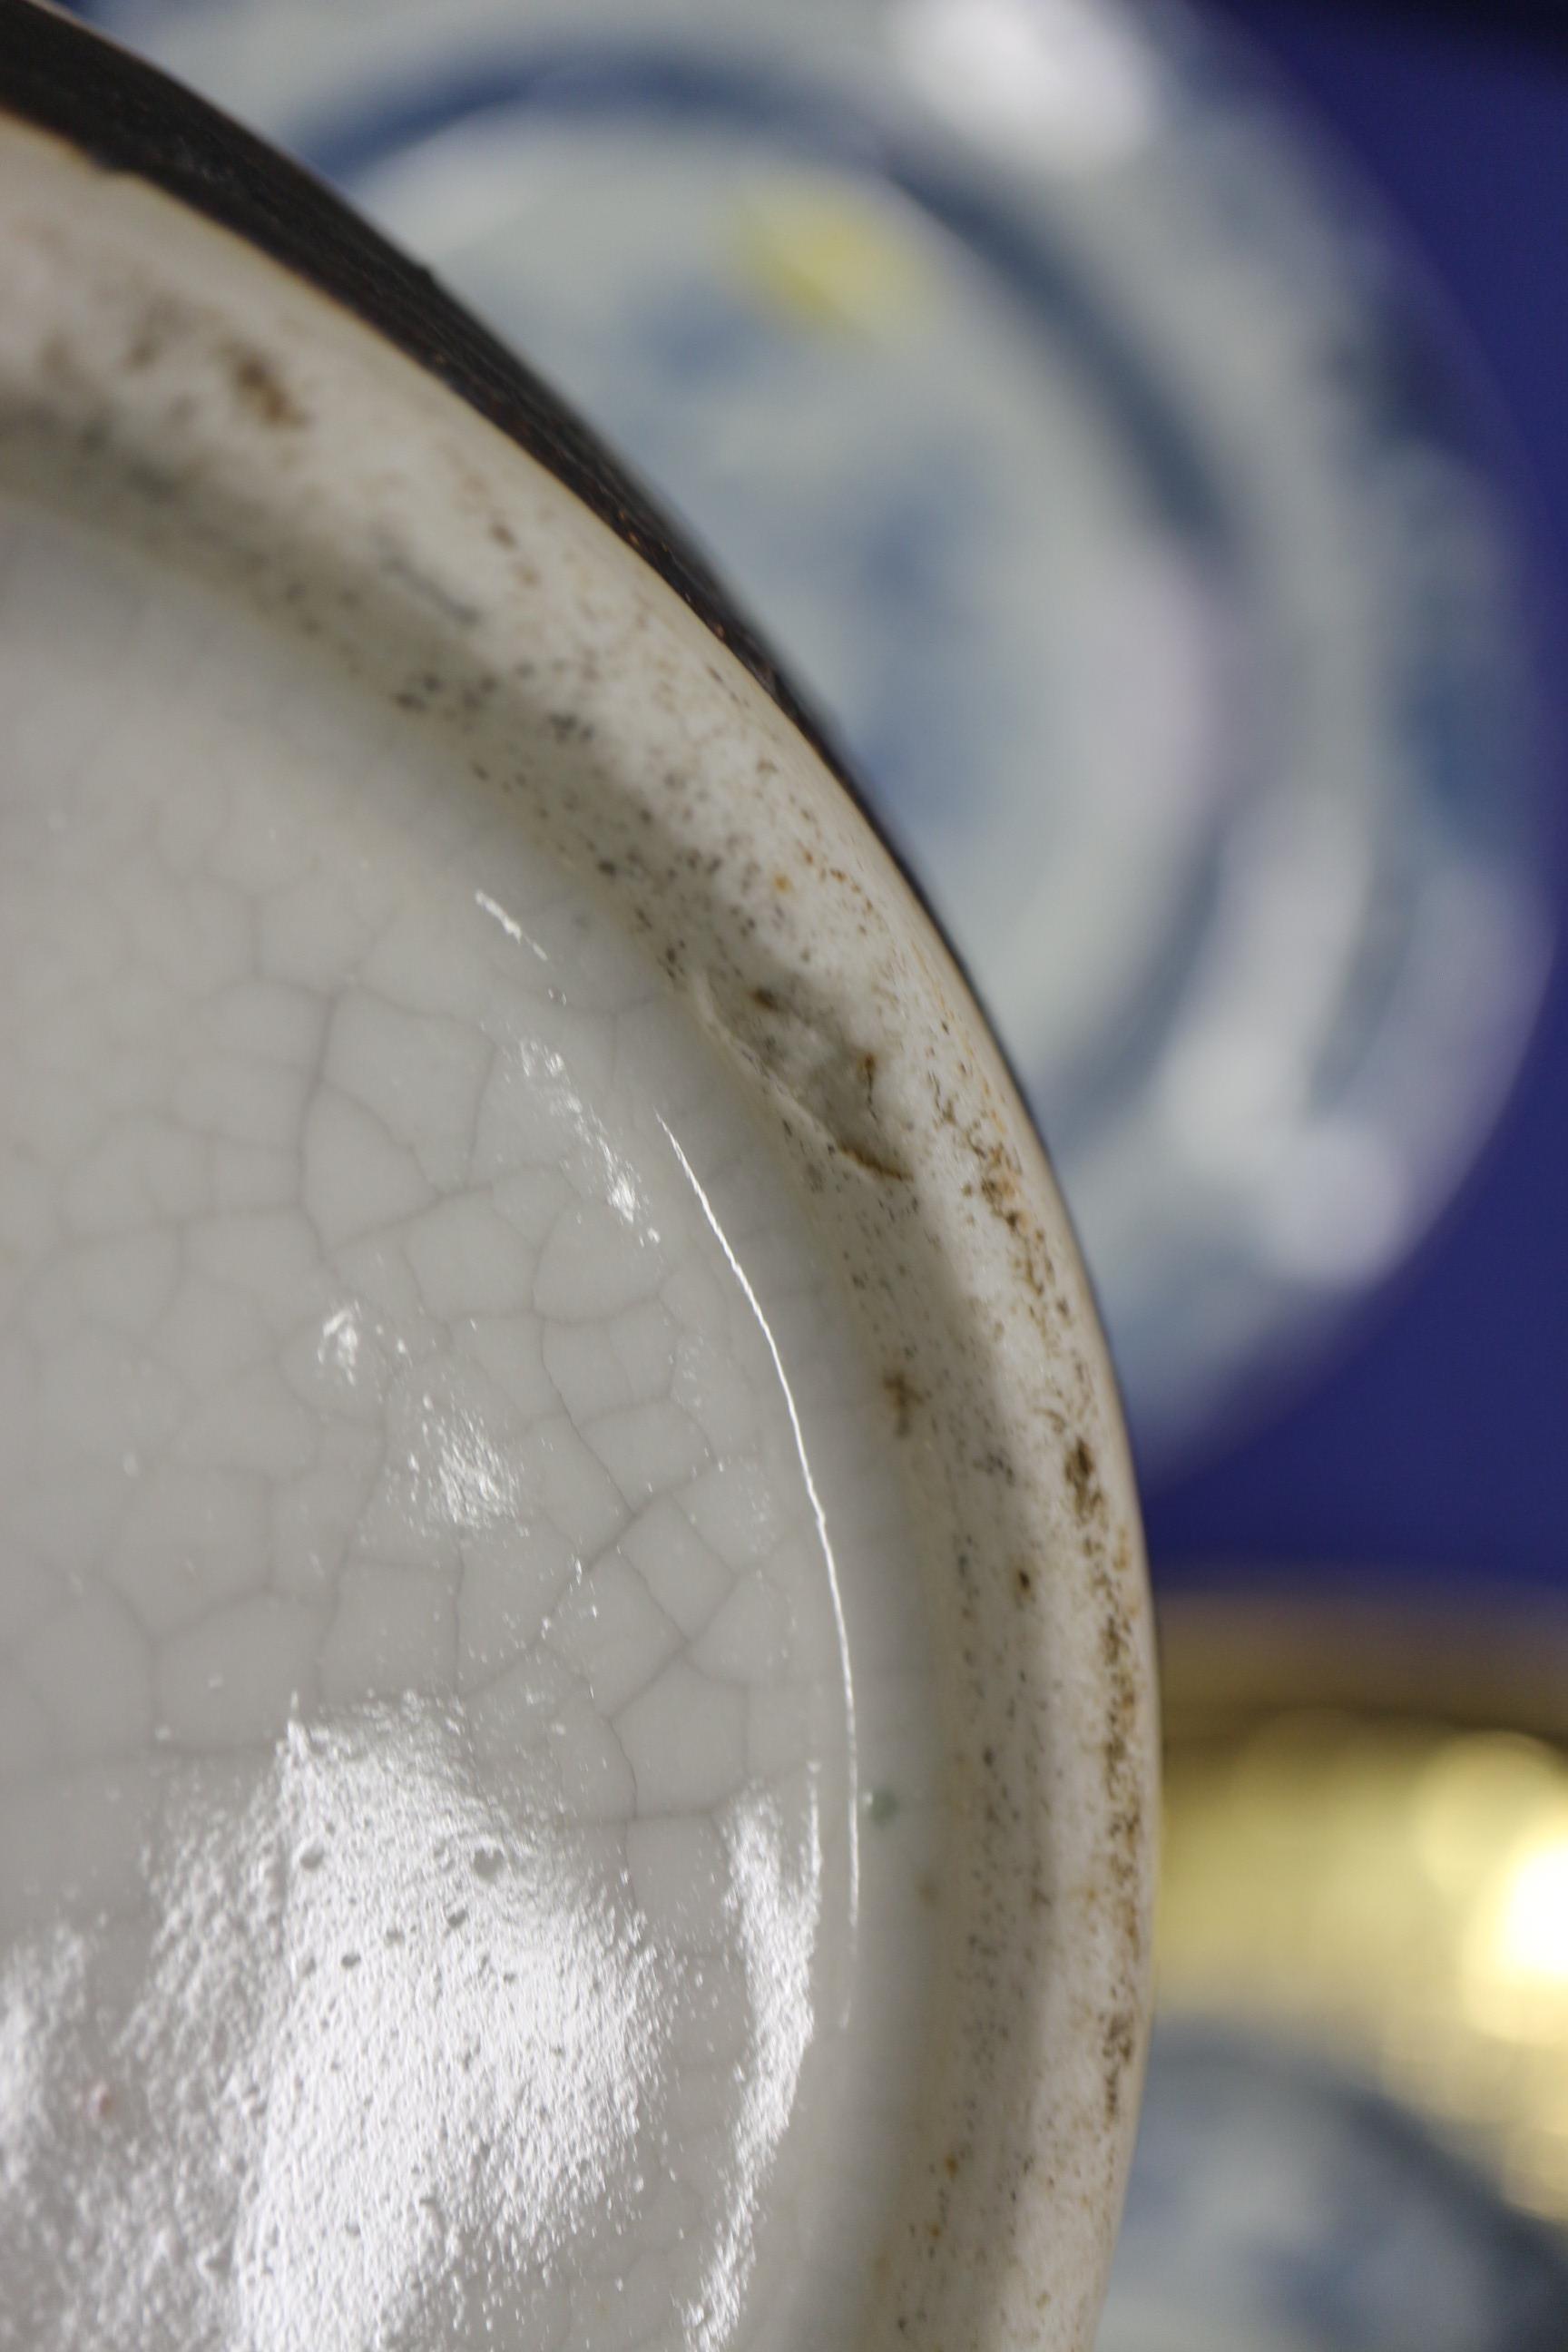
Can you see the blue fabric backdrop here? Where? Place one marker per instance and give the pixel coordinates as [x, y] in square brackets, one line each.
[1439, 1442]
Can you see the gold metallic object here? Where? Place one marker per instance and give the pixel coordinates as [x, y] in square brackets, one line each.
[1367, 1849]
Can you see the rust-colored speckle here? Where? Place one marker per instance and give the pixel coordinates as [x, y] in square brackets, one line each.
[1083, 1483]
[1123, 1876]
[260, 388]
[1119, 2043]
[871, 1162]
[904, 1397]
[997, 1463]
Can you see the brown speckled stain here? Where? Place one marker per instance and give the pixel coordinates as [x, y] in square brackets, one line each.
[1084, 1484]
[905, 1397]
[260, 387]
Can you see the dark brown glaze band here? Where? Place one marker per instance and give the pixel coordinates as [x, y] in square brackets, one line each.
[128, 117]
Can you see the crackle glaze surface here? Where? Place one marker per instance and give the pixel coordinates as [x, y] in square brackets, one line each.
[427, 1873]
[367, 1414]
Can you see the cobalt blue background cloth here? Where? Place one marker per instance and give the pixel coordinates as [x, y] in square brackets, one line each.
[1437, 1442]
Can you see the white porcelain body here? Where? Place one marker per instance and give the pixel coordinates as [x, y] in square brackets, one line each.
[248, 425]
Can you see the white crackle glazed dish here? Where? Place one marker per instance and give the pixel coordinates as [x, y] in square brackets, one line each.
[447, 986]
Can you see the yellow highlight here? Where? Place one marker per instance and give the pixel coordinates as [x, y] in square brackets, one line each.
[1532, 1934]
[1516, 1954]
[829, 259]
[1475, 1793]
[1398, 1891]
